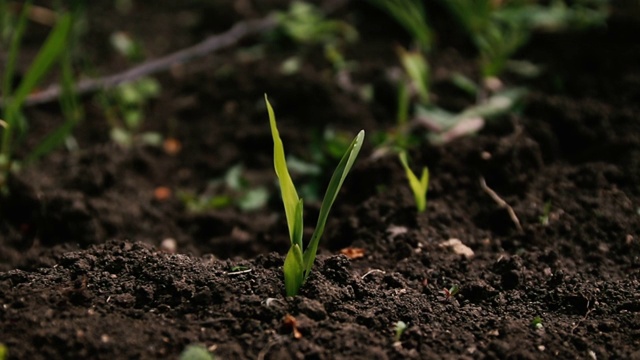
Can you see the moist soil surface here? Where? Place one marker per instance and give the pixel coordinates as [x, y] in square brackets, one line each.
[87, 270]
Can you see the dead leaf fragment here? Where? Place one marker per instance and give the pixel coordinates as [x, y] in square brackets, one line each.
[353, 252]
[458, 247]
[172, 146]
[162, 193]
[290, 322]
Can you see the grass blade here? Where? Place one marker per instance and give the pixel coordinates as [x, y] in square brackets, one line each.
[330, 196]
[16, 40]
[418, 186]
[71, 110]
[298, 228]
[289, 194]
[293, 274]
[48, 54]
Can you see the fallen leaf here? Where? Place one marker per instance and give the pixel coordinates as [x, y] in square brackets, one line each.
[162, 193]
[290, 322]
[352, 252]
[172, 146]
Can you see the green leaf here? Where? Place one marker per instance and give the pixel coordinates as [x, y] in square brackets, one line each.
[417, 68]
[330, 196]
[16, 39]
[289, 195]
[196, 352]
[298, 229]
[420, 186]
[293, 270]
[48, 54]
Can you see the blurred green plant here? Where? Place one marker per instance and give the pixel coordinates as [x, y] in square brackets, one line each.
[499, 28]
[325, 149]
[399, 328]
[419, 186]
[125, 105]
[125, 108]
[536, 323]
[14, 124]
[411, 15]
[299, 261]
[231, 190]
[415, 82]
[305, 24]
[3, 351]
[546, 212]
[196, 352]
[126, 46]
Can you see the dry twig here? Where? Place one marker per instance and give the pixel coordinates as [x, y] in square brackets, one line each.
[501, 203]
[213, 43]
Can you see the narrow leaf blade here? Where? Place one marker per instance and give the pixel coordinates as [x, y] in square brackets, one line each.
[293, 270]
[335, 184]
[288, 190]
[48, 54]
[418, 187]
[298, 228]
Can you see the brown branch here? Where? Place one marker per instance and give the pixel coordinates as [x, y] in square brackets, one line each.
[213, 43]
[501, 203]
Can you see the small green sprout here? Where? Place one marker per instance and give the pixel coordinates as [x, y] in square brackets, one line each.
[125, 109]
[400, 327]
[537, 322]
[418, 72]
[451, 292]
[233, 189]
[196, 352]
[3, 351]
[305, 24]
[238, 268]
[411, 15]
[546, 211]
[420, 186]
[298, 264]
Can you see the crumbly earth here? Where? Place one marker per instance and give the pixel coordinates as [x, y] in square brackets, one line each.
[84, 273]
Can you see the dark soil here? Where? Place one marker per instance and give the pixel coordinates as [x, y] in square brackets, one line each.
[84, 274]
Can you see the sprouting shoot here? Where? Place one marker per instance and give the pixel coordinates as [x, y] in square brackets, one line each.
[299, 260]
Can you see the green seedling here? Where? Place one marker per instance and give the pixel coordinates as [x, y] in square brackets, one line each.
[299, 260]
[537, 322]
[499, 28]
[546, 211]
[196, 352]
[233, 189]
[126, 46]
[125, 108]
[325, 149]
[3, 351]
[496, 37]
[14, 124]
[238, 268]
[451, 292]
[411, 15]
[72, 112]
[400, 327]
[417, 69]
[419, 186]
[305, 24]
